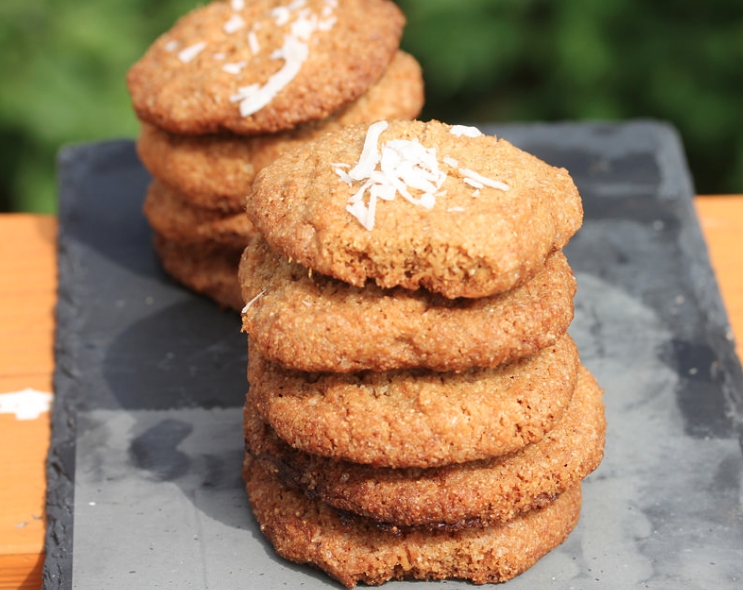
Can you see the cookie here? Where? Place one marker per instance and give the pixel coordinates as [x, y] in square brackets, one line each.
[353, 550]
[261, 66]
[216, 171]
[454, 496]
[415, 204]
[208, 270]
[415, 417]
[174, 218]
[317, 323]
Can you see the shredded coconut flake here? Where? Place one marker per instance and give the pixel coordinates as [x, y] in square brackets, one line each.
[234, 24]
[249, 304]
[27, 404]
[254, 97]
[219, 56]
[473, 183]
[404, 167]
[369, 154]
[470, 176]
[255, 47]
[466, 130]
[398, 167]
[237, 4]
[326, 24]
[190, 52]
[303, 23]
[171, 45]
[234, 68]
[282, 14]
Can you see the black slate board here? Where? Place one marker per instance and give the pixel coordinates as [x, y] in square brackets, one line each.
[143, 470]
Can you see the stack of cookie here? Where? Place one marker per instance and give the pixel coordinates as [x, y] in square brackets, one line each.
[234, 84]
[416, 407]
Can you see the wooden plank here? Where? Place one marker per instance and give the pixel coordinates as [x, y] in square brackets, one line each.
[721, 217]
[27, 296]
[21, 571]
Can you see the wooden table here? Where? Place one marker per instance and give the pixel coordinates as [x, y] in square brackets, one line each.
[27, 297]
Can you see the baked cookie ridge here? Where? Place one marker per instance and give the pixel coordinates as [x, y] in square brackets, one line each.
[171, 215]
[417, 418]
[352, 550]
[453, 496]
[316, 323]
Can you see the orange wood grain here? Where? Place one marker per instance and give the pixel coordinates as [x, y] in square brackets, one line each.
[721, 218]
[27, 297]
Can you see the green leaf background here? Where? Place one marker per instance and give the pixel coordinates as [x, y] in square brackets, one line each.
[63, 67]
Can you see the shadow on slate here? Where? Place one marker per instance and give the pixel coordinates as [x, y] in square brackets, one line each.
[128, 338]
[621, 177]
[195, 357]
[126, 335]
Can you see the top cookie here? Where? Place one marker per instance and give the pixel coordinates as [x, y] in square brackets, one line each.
[415, 204]
[260, 66]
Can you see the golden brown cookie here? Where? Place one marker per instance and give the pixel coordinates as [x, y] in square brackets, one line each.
[416, 418]
[454, 496]
[261, 66]
[353, 550]
[208, 270]
[414, 204]
[216, 171]
[172, 216]
[317, 323]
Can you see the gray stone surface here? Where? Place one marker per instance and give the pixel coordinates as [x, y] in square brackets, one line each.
[144, 487]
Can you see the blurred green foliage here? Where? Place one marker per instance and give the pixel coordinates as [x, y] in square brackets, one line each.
[63, 65]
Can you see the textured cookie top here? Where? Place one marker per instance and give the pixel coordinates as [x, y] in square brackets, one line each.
[259, 66]
[216, 171]
[416, 418]
[317, 323]
[415, 204]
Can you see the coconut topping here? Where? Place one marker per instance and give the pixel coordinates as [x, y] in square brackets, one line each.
[254, 97]
[250, 303]
[479, 181]
[405, 167]
[27, 404]
[234, 24]
[465, 130]
[234, 68]
[303, 23]
[190, 52]
[253, 43]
